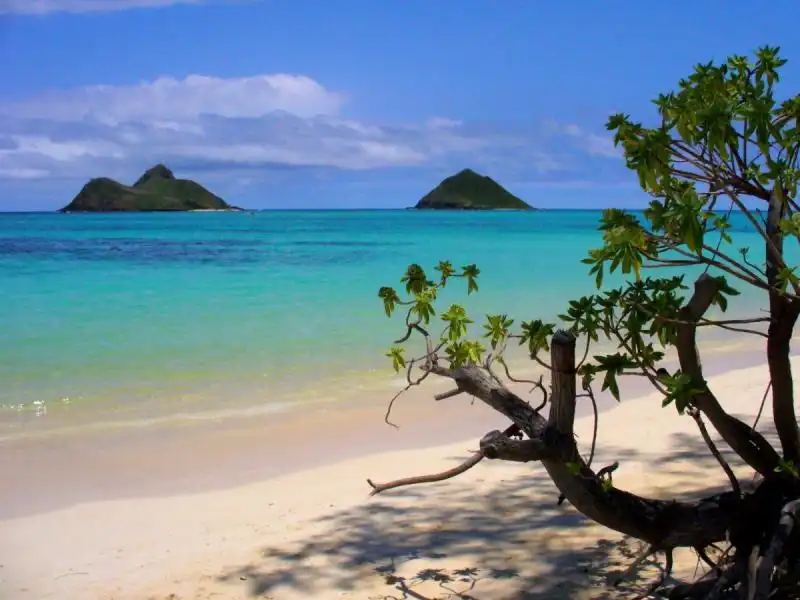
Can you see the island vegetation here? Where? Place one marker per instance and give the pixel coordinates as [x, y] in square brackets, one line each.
[157, 190]
[724, 141]
[468, 190]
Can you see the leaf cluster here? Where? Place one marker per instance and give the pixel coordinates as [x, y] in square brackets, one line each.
[721, 135]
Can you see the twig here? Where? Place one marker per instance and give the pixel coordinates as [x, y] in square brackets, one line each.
[473, 460]
[590, 394]
[721, 235]
[68, 574]
[695, 414]
[763, 402]
[585, 353]
[536, 385]
[391, 406]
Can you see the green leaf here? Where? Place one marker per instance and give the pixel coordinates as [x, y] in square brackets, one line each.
[446, 271]
[415, 280]
[457, 320]
[471, 272]
[396, 355]
[536, 334]
[390, 299]
[497, 328]
[680, 390]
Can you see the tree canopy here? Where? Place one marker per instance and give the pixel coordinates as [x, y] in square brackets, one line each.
[724, 143]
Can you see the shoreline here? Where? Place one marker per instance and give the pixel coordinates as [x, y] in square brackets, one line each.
[285, 400]
[208, 540]
[103, 462]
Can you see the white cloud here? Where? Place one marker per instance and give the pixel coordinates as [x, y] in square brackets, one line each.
[178, 100]
[217, 124]
[594, 144]
[41, 7]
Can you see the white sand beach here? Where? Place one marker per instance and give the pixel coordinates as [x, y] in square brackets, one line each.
[315, 533]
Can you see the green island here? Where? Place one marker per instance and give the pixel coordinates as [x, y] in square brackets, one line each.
[157, 190]
[468, 190]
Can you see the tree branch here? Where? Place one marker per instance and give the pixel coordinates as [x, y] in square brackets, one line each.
[790, 515]
[784, 313]
[695, 414]
[747, 443]
[665, 524]
[473, 460]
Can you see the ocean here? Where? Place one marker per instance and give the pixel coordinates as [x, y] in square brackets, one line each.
[135, 314]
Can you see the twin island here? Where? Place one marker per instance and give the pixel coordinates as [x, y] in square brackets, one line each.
[158, 190]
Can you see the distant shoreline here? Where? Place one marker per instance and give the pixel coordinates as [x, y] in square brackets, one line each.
[108, 212]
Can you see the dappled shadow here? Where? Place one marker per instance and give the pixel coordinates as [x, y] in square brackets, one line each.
[448, 540]
[480, 538]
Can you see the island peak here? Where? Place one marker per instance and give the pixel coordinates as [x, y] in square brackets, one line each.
[469, 190]
[158, 172]
[156, 190]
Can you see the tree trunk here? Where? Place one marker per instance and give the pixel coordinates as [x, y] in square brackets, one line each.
[783, 314]
[750, 445]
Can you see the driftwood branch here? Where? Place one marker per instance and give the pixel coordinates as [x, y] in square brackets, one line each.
[473, 460]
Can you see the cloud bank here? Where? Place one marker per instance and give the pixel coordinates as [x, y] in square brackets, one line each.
[217, 124]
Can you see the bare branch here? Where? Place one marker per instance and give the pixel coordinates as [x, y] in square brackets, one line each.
[595, 413]
[448, 394]
[763, 402]
[473, 460]
[774, 250]
[704, 322]
[695, 414]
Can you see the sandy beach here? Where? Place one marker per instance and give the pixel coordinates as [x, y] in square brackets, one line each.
[247, 511]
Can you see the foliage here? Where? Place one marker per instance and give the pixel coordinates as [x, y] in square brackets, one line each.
[723, 142]
[723, 134]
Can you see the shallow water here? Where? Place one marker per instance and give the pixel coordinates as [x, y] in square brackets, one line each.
[140, 315]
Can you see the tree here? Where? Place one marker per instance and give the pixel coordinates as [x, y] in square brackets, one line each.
[723, 143]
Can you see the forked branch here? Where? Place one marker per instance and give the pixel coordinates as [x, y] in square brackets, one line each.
[746, 442]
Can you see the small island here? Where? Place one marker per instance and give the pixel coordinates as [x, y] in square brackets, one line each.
[157, 190]
[468, 190]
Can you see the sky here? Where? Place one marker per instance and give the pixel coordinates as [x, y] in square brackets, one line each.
[350, 103]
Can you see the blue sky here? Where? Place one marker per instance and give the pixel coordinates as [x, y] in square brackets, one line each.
[349, 103]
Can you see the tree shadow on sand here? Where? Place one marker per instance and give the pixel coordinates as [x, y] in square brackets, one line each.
[474, 540]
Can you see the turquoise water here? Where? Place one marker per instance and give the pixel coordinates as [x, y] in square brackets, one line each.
[120, 310]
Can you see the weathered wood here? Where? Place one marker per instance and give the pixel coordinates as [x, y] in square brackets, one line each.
[497, 445]
[789, 518]
[563, 395]
[664, 524]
